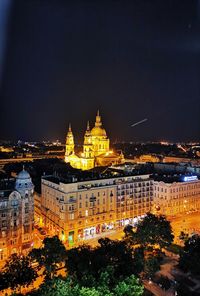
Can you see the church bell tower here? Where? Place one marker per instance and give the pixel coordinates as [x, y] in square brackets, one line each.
[69, 144]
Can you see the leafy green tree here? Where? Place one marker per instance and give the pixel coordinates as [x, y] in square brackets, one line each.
[58, 287]
[152, 230]
[190, 256]
[129, 287]
[50, 255]
[19, 272]
[90, 292]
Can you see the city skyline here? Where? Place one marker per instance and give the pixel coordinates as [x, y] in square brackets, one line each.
[100, 147]
[63, 61]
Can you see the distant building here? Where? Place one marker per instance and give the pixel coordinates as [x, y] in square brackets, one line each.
[178, 195]
[96, 149]
[147, 158]
[77, 210]
[16, 215]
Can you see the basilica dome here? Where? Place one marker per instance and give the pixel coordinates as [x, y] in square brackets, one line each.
[98, 132]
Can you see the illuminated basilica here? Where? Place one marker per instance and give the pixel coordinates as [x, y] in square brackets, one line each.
[96, 149]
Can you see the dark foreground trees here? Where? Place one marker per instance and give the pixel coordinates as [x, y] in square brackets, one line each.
[18, 272]
[50, 255]
[151, 231]
[111, 268]
[85, 263]
[190, 256]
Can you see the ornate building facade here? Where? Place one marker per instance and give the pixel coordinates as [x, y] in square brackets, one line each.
[96, 148]
[16, 215]
[175, 198]
[78, 210]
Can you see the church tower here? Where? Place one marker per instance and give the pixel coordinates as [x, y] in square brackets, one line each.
[87, 147]
[69, 144]
[88, 153]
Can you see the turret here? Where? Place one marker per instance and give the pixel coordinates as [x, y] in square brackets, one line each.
[98, 122]
[69, 144]
[87, 137]
[23, 184]
[87, 147]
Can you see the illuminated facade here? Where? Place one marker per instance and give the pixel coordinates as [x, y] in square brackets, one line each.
[16, 215]
[80, 210]
[177, 197]
[96, 148]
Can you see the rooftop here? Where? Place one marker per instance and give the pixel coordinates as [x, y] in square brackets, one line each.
[7, 184]
[98, 173]
[171, 178]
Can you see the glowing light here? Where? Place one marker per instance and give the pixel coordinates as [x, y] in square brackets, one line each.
[190, 178]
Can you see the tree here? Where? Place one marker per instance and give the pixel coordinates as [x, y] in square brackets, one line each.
[183, 236]
[86, 264]
[58, 287]
[50, 255]
[152, 265]
[19, 272]
[118, 255]
[3, 281]
[152, 230]
[190, 256]
[129, 287]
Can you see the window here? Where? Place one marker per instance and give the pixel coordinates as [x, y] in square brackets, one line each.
[4, 224]
[14, 202]
[26, 228]
[71, 216]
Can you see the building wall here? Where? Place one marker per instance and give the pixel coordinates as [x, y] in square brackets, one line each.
[176, 198]
[16, 225]
[16, 219]
[80, 210]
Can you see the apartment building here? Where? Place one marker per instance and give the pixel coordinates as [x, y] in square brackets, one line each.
[77, 210]
[173, 196]
[16, 215]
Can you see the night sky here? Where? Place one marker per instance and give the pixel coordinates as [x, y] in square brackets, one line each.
[62, 60]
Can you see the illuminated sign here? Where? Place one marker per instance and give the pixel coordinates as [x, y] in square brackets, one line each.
[190, 178]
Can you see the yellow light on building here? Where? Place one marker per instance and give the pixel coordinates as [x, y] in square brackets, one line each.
[95, 148]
